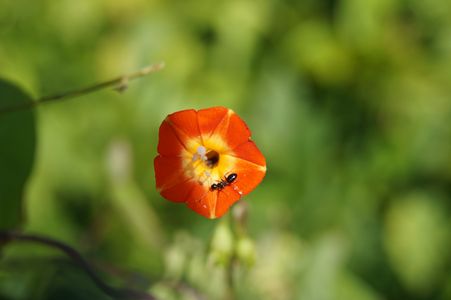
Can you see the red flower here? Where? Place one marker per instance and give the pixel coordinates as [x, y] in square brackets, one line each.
[207, 160]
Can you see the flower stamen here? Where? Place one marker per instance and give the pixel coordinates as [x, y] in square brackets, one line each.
[200, 154]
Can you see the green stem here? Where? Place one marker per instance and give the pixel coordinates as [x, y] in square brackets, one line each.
[230, 284]
[120, 84]
[229, 268]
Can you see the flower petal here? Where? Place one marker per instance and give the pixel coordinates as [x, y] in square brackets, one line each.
[225, 123]
[168, 172]
[237, 132]
[177, 132]
[202, 201]
[170, 144]
[249, 151]
[185, 122]
[180, 191]
[249, 175]
[212, 204]
[210, 118]
[225, 199]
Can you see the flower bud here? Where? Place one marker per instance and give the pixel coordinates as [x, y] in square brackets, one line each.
[245, 251]
[222, 244]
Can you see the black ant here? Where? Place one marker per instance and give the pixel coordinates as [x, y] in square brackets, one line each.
[228, 180]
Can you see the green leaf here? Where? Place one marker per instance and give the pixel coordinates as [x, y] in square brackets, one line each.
[17, 140]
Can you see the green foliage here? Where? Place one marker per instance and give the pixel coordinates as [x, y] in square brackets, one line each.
[348, 100]
[18, 139]
[416, 241]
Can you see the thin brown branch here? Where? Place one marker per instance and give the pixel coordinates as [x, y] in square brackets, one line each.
[120, 84]
[116, 293]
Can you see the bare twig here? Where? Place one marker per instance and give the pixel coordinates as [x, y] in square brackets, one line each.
[116, 293]
[120, 84]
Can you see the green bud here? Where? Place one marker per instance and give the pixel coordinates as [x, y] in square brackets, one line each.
[222, 244]
[175, 262]
[245, 251]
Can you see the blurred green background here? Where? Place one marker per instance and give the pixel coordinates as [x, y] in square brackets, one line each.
[348, 100]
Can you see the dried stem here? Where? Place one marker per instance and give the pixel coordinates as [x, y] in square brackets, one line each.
[75, 256]
[120, 84]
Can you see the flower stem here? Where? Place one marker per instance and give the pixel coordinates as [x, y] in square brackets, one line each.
[237, 221]
[116, 293]
[230, 284]
[120, 84]
[230, 267]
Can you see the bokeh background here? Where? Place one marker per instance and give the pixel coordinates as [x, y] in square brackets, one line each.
[348, 100]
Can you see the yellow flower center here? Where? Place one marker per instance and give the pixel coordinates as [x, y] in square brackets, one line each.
[208, 161]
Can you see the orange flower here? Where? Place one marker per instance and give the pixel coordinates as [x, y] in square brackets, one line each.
[207, 160]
